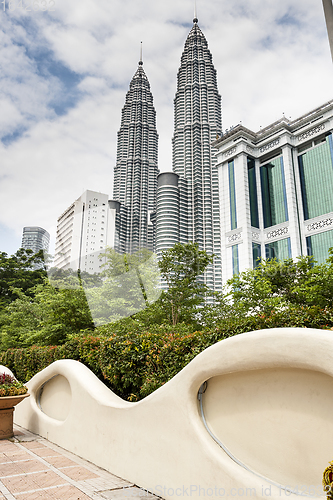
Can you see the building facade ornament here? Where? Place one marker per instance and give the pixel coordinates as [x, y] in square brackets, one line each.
[311, 132]
[320, 224]
[256, 236]
[270, 145]
[277, 232]
[234, 237]
[230, 152]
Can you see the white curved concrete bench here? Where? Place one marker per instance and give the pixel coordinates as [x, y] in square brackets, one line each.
[262, 427]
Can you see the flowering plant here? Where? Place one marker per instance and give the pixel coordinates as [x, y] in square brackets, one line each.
[328, 481]
[9, 386]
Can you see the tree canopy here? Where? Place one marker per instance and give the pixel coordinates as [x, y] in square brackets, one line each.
[135, 293]
[129, 283]
[23, 270]
[47, 318]
[181, 268]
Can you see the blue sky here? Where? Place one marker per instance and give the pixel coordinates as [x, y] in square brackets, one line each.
[64, 75]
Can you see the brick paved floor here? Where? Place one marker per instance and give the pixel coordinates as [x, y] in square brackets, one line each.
[32, 468]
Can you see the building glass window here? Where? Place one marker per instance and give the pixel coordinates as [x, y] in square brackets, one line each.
[235, 260]
[253, 192]
[273, 189]
[319, 244]
[279, 250]
[256, 254]
[232, 195]
[316, 175]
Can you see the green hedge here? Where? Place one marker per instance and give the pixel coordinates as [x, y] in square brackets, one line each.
[134, 362]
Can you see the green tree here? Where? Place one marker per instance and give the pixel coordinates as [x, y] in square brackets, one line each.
[129, 284]
[47, 318]
[275, 285]
[23, 270]
[68, 278]
[317, 289]
[181, 268]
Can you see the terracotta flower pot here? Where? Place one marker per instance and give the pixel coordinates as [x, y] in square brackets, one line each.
[7, 404]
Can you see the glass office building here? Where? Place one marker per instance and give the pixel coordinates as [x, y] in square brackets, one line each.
[273, 189]
[35, 238]
[276, 191]
[316, 176]
[252, 180]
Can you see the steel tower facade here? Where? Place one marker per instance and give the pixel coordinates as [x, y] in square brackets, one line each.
[197, 122]
[135, 173]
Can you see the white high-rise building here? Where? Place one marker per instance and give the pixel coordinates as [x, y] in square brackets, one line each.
[84, 231]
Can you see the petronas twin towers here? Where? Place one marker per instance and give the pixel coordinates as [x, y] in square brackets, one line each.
[157, 211]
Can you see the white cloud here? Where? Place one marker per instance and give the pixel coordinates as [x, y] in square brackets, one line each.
[271, 57]
[56, 161]
[76, 48]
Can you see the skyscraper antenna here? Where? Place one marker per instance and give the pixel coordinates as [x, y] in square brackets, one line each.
[195, 20]
[141, 62]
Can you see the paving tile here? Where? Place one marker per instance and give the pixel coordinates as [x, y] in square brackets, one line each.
[32, 445]
[9, 469]
[6, 446]
[47, 479]
[37, 480]
[85, 481]
[46, 452]
[68, 493]
[109, 483]
[60, 461]
[18, 483]
[34, 495]
[59, 493]
[4, 458]
[31, 466]
[127, 493]
[79, 473]
[18, 455]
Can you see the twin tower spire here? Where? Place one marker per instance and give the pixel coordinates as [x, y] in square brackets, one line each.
[159, 210]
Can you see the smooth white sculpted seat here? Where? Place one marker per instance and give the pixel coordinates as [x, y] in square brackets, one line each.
[250, 416]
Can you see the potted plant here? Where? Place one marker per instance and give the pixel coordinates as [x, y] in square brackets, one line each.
[12, 392]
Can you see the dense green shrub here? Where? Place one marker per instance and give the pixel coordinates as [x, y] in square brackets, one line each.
[134, 361]
[26, 362]
[132, 364]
